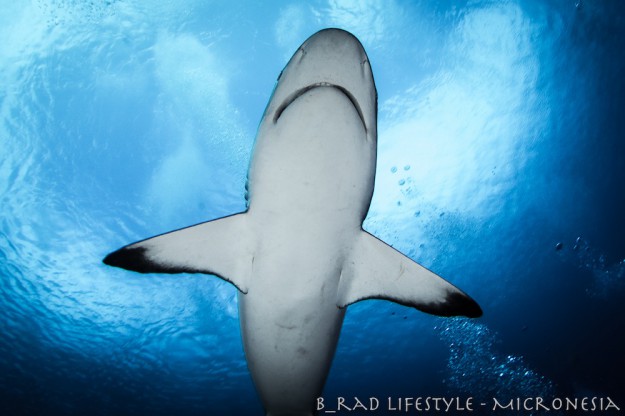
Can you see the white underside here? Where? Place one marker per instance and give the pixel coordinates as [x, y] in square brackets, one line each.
[299, 255]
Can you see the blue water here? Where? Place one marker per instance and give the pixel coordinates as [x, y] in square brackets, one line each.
[501, 167]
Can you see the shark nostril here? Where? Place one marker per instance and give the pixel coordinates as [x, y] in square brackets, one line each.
[302, 53]
[363, 67]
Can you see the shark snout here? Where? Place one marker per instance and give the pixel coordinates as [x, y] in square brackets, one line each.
[330, 57]
[335, 54]
[336, 44]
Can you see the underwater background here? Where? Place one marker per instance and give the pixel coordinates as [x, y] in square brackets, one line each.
[501, 167]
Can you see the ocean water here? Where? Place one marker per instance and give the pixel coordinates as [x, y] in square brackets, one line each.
[501, 167]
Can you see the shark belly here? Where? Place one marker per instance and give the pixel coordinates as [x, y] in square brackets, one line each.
[307, 202]
[290, 325]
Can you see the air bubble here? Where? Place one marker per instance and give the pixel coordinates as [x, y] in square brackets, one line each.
[478, 368]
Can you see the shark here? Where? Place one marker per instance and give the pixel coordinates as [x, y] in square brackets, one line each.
[298, 254]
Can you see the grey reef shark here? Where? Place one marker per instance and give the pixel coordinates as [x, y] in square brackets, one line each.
[298, 255]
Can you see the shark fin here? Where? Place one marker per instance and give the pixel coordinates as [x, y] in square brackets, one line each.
[221, 247]
[374, 270]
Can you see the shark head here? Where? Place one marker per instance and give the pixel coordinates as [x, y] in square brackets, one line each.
[329, 58]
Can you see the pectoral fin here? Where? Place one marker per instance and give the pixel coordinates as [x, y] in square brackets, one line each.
[374, 270]
[222, 247]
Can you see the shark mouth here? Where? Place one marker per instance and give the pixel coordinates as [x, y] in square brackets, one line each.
[298, 93]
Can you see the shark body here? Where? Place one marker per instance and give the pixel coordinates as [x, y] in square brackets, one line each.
[299, 255]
